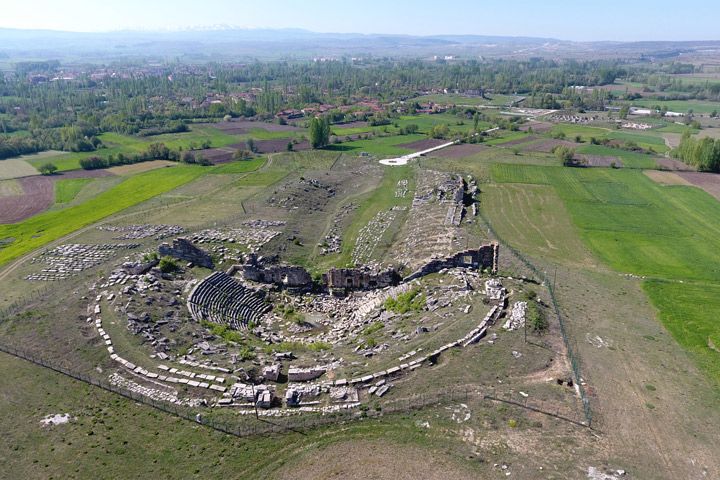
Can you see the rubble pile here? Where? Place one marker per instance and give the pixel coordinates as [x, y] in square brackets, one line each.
[308, 192]
[432, 227]
[332, 243]
[516, 319]
[401, 189]
[370, 235]
[71, 259]
[494, 289]
[136, 232]
[254, 235]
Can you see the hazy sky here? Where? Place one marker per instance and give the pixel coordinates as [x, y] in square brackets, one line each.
[572, 20]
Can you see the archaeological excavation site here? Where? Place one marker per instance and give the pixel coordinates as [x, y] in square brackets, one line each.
[333, 291]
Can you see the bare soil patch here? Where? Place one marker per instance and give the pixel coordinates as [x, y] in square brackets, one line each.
[423, 144]
[672, 140]
[672, 164]
[240, 127]
[547, 145]
[707, 132]
[460, 151]
[15, 168]
[38, 195]
[218, 155]
[666, 178]
[375, 460]
[710, 182]
[601, 160]
[540, 127]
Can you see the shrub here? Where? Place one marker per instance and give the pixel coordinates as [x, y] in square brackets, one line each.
[535, 317]
[319, 346]
[168, 265]
[565, 154]
[409, 301]
[48, 168]
[93, 163]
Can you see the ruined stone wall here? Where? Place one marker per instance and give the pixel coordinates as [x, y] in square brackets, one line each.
[485, 257]
[359, 278]
[183, 249]
[285, 275]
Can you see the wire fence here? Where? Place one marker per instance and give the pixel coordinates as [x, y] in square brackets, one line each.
[248, 424]
[570, 346]
[21, 302]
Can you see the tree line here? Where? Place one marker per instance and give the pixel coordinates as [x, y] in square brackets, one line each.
[702, 153]
[155, 151]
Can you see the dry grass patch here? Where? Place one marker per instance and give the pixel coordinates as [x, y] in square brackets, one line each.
[15, 168]
[666, 178]
[375, 459]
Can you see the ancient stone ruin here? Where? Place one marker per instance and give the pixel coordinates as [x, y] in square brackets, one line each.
[340, 280]
[221, 299]
[288, 276]
[183, 249]
[485, 257]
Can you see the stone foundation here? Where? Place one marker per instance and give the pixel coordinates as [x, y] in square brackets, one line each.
[343, 279]
[485, 257]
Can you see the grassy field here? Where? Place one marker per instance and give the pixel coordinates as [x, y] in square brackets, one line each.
[41, 229]
[691, 312]
[381, 199]
[109, 437]
[67, 190]
[681, 106]
[534, 220]
[383, 146]
[505, 137]
[675, 128]
[648, 141]
[129, 145]
[629, 159]
[660, 232]
[242, 166]
[444, 99]
[426, 122]
[635, 225]
[571, 131]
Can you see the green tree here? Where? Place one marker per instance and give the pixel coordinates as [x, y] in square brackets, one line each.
[242, 155]
[319, 132]
[250, 144]
[168, 265]
[439, 131]
[48, 168]
[565, 154]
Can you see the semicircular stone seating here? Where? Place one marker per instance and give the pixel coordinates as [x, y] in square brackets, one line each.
[219, 298]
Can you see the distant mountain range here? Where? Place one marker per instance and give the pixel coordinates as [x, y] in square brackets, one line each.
[224, 43]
